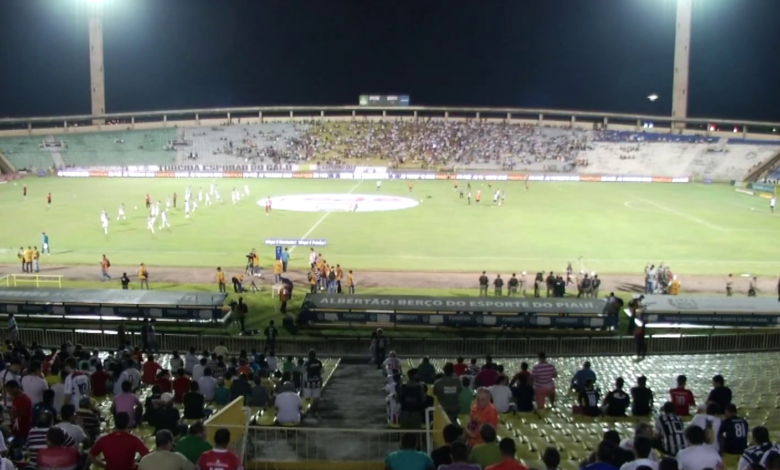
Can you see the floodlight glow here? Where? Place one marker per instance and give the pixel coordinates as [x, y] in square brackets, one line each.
[652, 97]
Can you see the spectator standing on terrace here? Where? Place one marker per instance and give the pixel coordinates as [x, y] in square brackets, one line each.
[710, 422]
[408, 457]
[150, 370]
[682, 398]
[129, 403]
[164, 457]
[426, 371]
[13, 329]
[482, 412]
[488, 375]
[21, 410]
[669, 428]
[56, 456]
[33, 383]
[544, 375]
[207, 385]
[220, 457]
[582, 376]
[447, 390]
[412, 398]
[460, 367]
[508, 450]
[465, 397]
[720, 395]
[87, 416]
[483, 284]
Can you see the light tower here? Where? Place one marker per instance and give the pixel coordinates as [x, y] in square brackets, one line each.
[96, 76]
[682, 55]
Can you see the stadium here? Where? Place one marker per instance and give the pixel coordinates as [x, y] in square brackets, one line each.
[392, 240]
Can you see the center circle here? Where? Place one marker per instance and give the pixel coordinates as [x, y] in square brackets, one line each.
[339, 203]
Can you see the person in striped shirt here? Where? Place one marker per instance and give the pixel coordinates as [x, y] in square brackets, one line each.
[544, 375]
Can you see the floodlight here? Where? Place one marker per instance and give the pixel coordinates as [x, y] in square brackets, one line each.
[652, 97]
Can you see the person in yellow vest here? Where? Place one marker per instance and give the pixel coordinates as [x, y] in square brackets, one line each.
[255, 263]
[20, 256]
[221, 280]
[312, 276]
[36, 259]
[350, 282]
[278, 268]
[28, 255]
[339, 277]
[143, 276]
[674, 287]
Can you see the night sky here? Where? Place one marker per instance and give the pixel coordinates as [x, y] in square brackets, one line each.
[600, 55]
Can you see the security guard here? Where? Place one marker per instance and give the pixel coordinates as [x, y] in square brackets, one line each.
[513, 283]
[498, 284]
[729, 282]
[483, 284]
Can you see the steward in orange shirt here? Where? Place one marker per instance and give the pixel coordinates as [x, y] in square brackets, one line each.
[339, 277]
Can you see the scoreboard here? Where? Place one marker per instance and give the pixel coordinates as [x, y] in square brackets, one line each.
[384, 100]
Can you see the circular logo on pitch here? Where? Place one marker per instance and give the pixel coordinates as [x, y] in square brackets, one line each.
[339, 203]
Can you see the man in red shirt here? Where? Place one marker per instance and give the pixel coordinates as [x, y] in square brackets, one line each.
[56, 455]
[181, 385]
[220, 458]
[149, 373]
[21, 410]
[508, 462]
[163, 381]
[118, 448]
[682, 398]
[460, 367]
[99, 381]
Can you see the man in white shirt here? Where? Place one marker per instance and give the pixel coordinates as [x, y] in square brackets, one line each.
[641, 430]
[697, 455]
[197, 371]
[642, 449]
[67, 424]
[221, 350]
[33, 384]
[711, 425]
[502, 395]
[190, 361]
[272, 361]
[76, 383]
[207, 385]
[130, 374]
[288, 405]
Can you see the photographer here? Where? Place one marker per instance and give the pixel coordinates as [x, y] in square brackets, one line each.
[250, 264]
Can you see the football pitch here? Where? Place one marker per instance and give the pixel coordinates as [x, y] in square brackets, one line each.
[602, 227]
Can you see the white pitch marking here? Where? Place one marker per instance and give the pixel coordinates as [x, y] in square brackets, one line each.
[324, 217]
[681, 214]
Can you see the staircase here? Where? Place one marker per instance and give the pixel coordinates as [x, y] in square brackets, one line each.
[764, 168]
[55, 153]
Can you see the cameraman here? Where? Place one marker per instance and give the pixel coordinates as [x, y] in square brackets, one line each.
[250, 264]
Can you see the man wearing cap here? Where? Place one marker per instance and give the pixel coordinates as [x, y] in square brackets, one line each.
[167, 417]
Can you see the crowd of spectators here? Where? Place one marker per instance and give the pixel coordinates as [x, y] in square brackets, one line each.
[474, 397]
[72, 407]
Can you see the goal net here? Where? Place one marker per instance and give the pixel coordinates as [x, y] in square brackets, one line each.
[336, 206]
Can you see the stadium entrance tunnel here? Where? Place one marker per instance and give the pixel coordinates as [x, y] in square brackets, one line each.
[339, 203]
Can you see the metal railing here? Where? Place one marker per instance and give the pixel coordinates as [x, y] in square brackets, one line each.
[14, 280]
[436, 347]
[295, 447]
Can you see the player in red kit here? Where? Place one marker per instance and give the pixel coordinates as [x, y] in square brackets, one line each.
[148, 201]
[220, 458]
[174, 200]
[48, 199]
[682, 398]
[24, 190]
[267, 206]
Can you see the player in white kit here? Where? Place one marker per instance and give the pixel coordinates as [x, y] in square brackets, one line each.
[164, 220]
[208, 199]
[168, 203]
[772, 203]
[121, 214]
[150, 223]
[212, 189]
[496, 195]
[378, 185]
[104, 221]
[246, 190]
[234, 196]
[200, 194]
[159, 208]
[186, 209]
[194, 205]
[217, 197]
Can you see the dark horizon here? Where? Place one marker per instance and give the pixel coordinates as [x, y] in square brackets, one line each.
[597, 55]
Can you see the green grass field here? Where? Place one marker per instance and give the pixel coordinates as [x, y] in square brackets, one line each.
[616, 228]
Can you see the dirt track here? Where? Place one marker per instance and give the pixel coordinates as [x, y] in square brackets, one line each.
[403, 280]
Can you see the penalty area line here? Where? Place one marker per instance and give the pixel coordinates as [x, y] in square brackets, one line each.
[317, 224]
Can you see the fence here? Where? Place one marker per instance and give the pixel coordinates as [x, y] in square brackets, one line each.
[14, 280]
[322, 448]
[410, 347]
